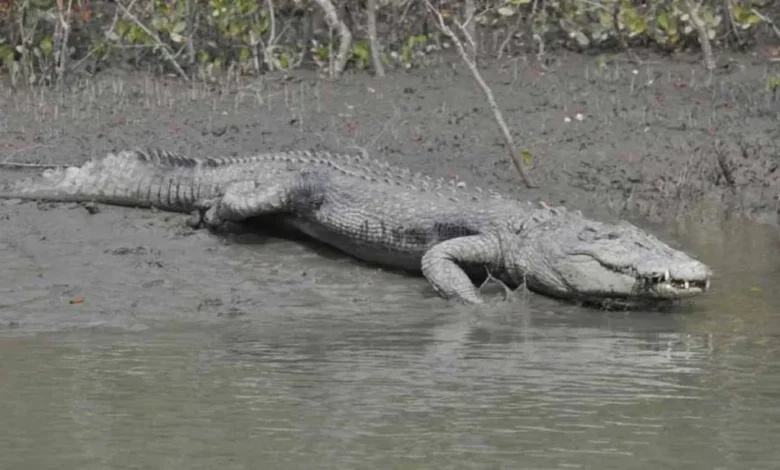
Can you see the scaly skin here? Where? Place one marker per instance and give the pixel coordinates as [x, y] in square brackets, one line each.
[390, 217]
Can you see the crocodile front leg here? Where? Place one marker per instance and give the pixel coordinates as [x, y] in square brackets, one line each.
[440, 265]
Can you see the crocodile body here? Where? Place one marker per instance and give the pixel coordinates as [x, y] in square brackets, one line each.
[394, 218]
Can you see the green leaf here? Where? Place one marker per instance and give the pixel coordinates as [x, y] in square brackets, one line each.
[122, 27]
[605, 20]
[179, 27]
[7, 53]
[638, 26]
[526, 157]
[234, 29]
[46, 46]
[265, 23]
[159, 23]
[663, 21]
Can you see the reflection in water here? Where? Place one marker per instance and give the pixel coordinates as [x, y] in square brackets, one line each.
[535, 384]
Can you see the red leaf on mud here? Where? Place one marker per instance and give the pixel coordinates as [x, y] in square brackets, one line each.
[351, 126]
[176, 128]
[452, 175]
[679, 84]
[76, 301]
[86, 15]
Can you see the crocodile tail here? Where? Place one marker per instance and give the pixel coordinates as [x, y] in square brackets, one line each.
[90, 181]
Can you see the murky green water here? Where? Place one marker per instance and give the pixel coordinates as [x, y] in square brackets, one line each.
[415, 383]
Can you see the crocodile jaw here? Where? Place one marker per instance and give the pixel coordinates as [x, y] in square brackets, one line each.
[585, 276]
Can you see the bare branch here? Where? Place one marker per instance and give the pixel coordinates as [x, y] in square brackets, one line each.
[469, 25]
[345, 36]
[163, 47]
[511, 31]
[704, 39]
[488, 94]
[373, 42]
[767, 20]
[62, 35]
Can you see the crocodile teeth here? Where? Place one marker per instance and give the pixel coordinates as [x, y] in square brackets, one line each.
[667, 276]
[685, 285]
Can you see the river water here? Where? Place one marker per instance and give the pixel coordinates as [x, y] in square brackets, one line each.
[366, 369]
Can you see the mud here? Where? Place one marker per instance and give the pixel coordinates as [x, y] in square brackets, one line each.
[653, 143]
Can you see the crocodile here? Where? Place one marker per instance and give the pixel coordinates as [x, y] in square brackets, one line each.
[392, 217]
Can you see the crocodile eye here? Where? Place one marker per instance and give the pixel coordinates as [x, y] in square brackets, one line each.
[613, 236]
[588, 234]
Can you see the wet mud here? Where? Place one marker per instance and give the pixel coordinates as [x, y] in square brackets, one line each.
[653, 143]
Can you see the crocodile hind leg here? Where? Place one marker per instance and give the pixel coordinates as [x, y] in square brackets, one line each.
[246, 199]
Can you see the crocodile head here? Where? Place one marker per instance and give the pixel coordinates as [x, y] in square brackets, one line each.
[569, 256]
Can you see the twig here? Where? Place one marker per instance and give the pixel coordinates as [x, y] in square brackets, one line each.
[509, 35]
[373, 43]
[488, 94]
[83, 59]
[704, 39]
[190, 29]
[621, 39]
[724, 165]
[268, 50]
[732, 23]
[162, 45]
[64, 17]
[766, 19]
[345, 36]
[469, 25]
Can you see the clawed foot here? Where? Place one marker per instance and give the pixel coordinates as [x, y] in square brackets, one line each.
[509, 294]
[206, 216]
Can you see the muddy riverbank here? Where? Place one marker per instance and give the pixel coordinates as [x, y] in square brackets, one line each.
[656, 143]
